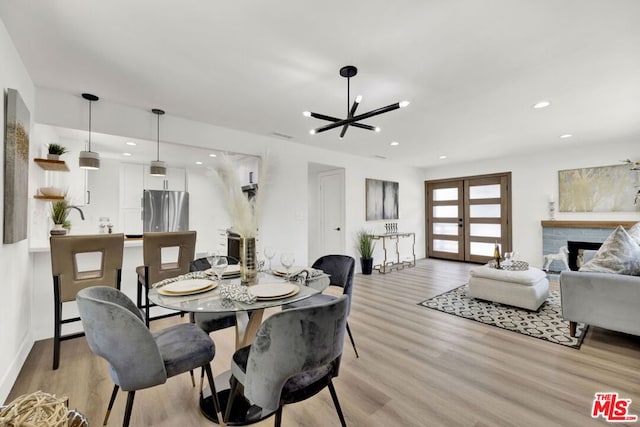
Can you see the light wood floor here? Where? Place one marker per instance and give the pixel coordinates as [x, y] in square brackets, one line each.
[417, 367]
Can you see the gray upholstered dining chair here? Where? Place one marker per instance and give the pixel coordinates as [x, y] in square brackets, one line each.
[340, 269]
[139, 358]
[156, 269]
[296, 353]
[70, 276]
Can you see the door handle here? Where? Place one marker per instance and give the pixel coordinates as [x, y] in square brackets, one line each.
[337, 228]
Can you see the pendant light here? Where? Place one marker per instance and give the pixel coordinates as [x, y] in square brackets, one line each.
[158, 167]
[89, 159]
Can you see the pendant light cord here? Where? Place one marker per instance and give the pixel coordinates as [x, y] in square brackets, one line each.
[158, 140]
[90, 125]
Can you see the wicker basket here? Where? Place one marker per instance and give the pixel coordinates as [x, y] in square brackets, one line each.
[40, 409]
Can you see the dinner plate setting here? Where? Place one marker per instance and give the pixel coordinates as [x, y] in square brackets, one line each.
[277, 290]
[187, 287]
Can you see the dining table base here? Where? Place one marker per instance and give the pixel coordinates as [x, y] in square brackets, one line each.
[242, 413]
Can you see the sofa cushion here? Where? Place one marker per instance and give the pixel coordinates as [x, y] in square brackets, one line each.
[634, 232]
[618, 254]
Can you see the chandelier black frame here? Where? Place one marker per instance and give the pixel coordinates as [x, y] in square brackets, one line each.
[347, 72]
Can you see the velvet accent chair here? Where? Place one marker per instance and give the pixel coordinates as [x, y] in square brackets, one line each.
[296, 353]
[340, 269]
[101, 251]
[137, 357]
[155, 270]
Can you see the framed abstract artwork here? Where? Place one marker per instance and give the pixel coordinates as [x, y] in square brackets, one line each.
[381, 199]
[16, 167]
[598, 189]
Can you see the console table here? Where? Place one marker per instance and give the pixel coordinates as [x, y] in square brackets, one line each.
[388, 264]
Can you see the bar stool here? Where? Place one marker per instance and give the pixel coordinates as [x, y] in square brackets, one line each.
[69, 279]
[155, 270]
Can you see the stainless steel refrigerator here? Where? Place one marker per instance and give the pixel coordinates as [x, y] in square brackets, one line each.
[165, 210]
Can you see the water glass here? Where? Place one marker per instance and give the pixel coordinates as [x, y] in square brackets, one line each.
[269, 253]
[287, 260]
[218, 265]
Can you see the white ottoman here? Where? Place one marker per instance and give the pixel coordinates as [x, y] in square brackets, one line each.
[527, 289]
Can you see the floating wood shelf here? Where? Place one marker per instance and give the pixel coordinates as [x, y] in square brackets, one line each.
[52, 198]
[52, 165]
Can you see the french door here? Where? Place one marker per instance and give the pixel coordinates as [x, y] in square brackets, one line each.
[466, 217]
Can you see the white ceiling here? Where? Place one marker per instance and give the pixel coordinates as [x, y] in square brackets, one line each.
[471, 68]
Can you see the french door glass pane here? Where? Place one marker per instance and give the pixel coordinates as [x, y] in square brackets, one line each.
[445, 228]
[484, 211]
[480, 248]
[445, 246]
[450, 211]
[484, 191]
[486, 230]
[440, 194]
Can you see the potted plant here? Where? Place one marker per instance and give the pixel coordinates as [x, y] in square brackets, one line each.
[55, 151]
[59, 214]
[365, 246]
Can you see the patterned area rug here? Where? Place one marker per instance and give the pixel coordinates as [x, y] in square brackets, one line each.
[545, 324]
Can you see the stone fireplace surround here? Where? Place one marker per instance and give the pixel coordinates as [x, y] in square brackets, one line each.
[581, 234]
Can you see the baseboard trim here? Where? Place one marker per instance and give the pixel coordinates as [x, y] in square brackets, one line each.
[11, 374]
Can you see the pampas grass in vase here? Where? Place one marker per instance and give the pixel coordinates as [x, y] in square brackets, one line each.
[244, 213]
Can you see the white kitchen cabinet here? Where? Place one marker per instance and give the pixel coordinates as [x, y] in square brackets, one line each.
[131, 185]
[175, 180]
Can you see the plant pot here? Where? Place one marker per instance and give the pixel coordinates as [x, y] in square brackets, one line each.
[367, 265]
[53, 156]
[58, 230]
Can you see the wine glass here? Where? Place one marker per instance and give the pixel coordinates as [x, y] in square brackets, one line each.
[218, 265]
[287, 260]
[269, 253]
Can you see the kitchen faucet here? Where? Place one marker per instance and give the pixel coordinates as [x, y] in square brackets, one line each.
[78, 209]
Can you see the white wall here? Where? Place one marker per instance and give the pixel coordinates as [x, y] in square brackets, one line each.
[15, 312]
[535, 177]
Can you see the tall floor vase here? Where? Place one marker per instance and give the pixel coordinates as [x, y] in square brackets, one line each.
[248, 261]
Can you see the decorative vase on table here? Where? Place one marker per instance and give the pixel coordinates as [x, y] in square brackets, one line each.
[248, 261]
[367, 265]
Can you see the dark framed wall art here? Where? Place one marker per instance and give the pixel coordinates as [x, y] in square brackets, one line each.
[16, 167]
[381, 199]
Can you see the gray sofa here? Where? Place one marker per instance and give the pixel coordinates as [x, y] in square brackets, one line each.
[610, 301]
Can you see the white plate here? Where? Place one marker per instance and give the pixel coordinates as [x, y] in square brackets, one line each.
[281, 271]
[272, 290]
[189, 285]
[212, 285]
[232, 270]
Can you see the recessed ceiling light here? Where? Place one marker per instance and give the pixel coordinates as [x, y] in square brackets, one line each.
[394, 143]
[542, 104]
[126, 154]
[213, 155]
[198, 163]
[131, 143]
[443, 157]
[566, 135]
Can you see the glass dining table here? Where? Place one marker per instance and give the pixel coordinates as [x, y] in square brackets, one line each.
[248, 320]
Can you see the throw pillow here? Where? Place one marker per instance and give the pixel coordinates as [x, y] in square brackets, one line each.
[634, 232]
[618, 254]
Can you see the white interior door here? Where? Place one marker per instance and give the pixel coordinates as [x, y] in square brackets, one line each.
[331, 209]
